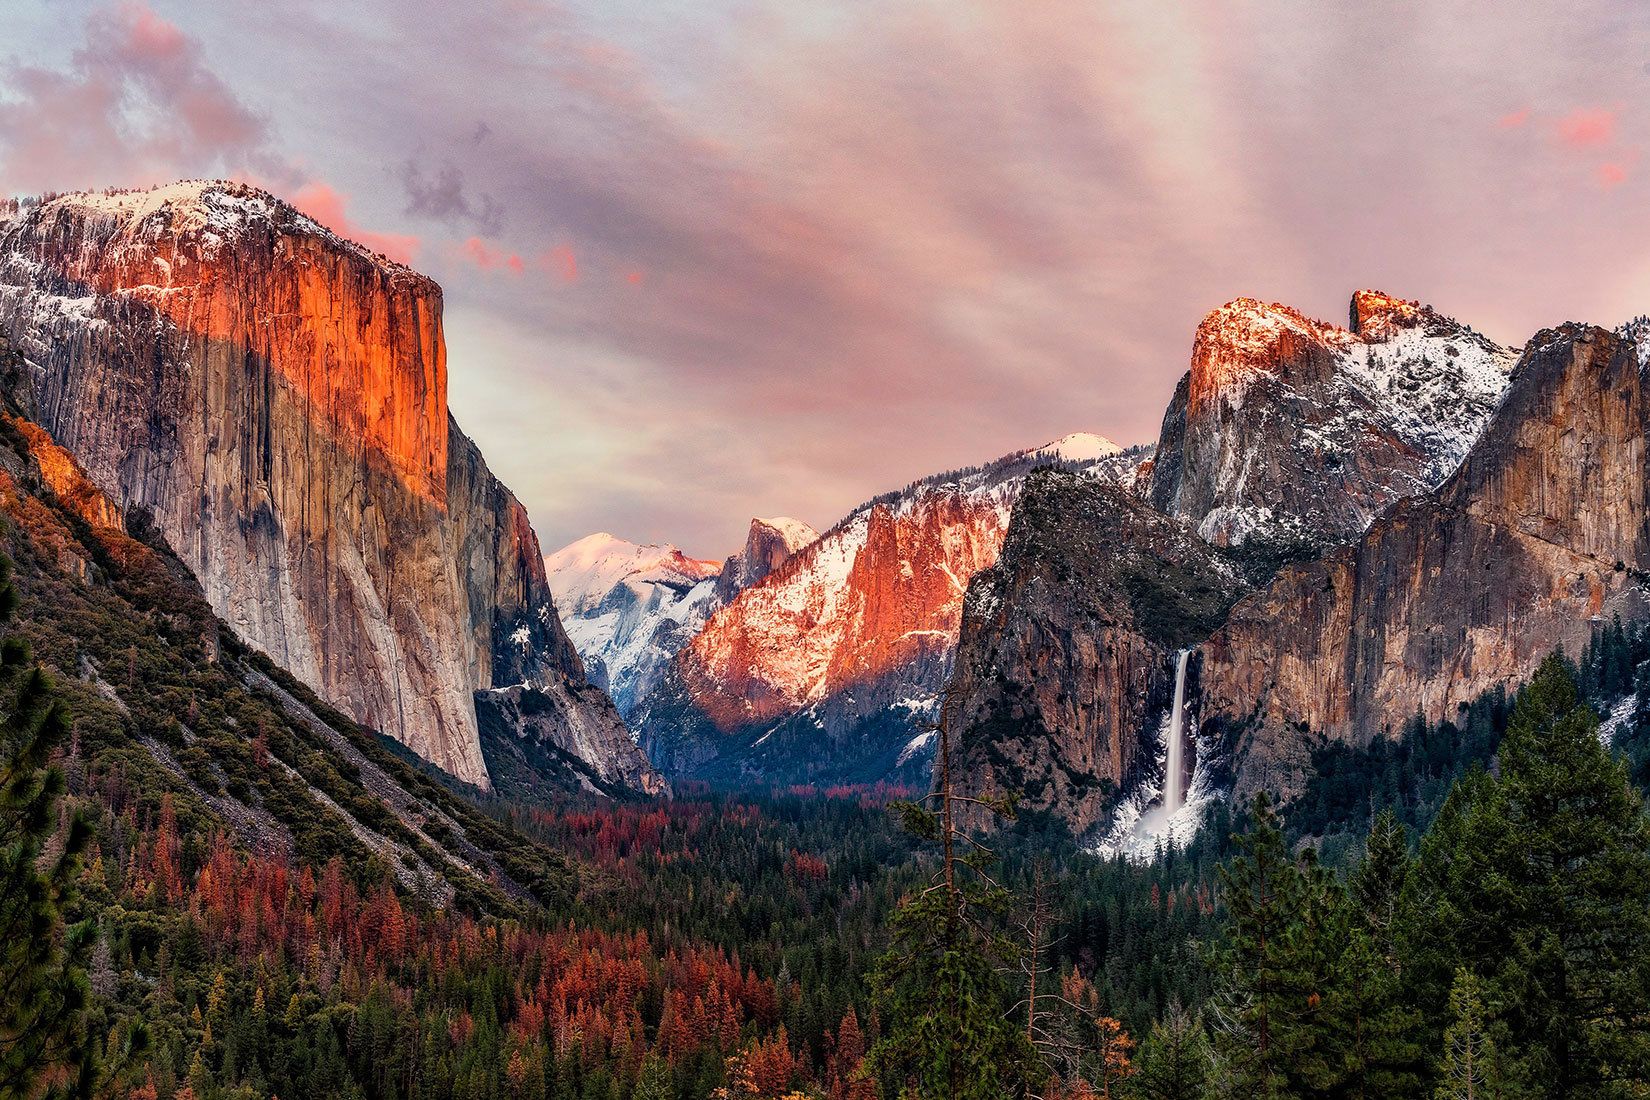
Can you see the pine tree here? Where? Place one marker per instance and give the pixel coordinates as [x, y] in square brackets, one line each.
[43, 985]
[1272, 1013]
[1173, 1063]
[1468, 1068]
[940, 985]
[655, 1082]
[1379, 1033]
[1539, 882]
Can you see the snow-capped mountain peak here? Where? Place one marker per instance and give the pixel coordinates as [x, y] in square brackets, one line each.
[214, 214]
[1079, 447]
[584, 572]
[1299, 431]
[795, 533]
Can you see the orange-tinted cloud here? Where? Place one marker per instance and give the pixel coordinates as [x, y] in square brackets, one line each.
[488, 257]
[326, 206]
[1587, 128]
[560, 261]
[997, 222]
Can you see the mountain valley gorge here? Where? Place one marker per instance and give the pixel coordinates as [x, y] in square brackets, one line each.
[332, 782]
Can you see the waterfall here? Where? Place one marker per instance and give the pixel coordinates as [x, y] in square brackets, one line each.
[1174, 783]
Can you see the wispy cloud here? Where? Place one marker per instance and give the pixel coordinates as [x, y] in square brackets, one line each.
[136, 100]
[731, 258]
[326, 205]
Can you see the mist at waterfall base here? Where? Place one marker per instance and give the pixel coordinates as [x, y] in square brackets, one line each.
[1168, 811]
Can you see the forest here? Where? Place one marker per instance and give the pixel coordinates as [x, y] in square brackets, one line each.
[1458, 911]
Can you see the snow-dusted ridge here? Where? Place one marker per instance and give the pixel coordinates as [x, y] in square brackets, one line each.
[1302, 430]
[857, 630]
[628, 608]
[218, 211]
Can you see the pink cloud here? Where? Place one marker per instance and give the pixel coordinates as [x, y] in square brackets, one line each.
[1612, 174]
[136, 104]
[480, 253]
[488, 257]
[1514, 119]
[1586, 128]
[561, 262]
[326, 205]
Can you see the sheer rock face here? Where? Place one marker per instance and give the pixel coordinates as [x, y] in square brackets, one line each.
[859, 623]
[1066, 662]
[276, 398]
[769, 544]
[1448, 556]
[1297, 432]
[1540, 532]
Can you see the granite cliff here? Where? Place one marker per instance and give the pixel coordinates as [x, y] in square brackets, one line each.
[1066, 662]
[273, 398]
[1541, 533]
[829, 668]
[1296, 432]
[1424, 575]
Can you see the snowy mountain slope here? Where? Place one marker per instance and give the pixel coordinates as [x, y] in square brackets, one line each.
[630, 608]
[826, 669]
[1298, 431]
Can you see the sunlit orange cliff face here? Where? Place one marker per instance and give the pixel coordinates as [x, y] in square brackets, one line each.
[818, 628]
[355, 339]
[275, 398]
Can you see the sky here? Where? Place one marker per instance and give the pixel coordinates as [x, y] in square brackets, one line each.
[717, 259]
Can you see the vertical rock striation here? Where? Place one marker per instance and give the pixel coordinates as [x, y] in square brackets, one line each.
[1543, 530]
[1066, 663]
[275, 398]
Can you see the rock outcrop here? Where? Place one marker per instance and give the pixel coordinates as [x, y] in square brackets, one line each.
[1066, 663]
[275, 399]
[769, 544]
[1297, 433]
[1539, 534]
[829, 668]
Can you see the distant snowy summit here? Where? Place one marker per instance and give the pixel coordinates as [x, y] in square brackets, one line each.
[1079, 447]
[628, 607]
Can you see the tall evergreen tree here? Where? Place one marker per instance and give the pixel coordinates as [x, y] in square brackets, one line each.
[1538, 881]
[1173, 1063]
[43, 985]
[940, 986]
[1469, 1068]
[1274, 1034]
[1378, 1033]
